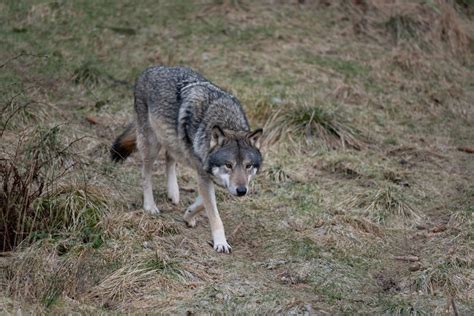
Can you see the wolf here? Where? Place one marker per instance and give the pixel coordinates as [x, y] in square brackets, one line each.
[199, 125]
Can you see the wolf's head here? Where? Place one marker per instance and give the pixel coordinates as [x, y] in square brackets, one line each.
[234, 158]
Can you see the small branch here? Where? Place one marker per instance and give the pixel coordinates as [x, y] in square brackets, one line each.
[235, 230]
[407, 258]
[453, 305]
[12, 115]
[21, 55]
[469, 150]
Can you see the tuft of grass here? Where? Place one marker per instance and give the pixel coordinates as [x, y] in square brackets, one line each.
[398, 305]
[35, 203]
[71, 208]
[27, 173]
[88, 74]
[127, 281]
[444, 277]
[463, 215]
[402, 27]
[20, 112]
[161, 265]
[53, 291]
[384, 204]
[276, 174]
[307, 122]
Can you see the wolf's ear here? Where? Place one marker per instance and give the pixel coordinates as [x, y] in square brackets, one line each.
[217, 137]
[255, 137]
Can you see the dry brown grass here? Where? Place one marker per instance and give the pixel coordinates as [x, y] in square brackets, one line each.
[312, 123]
[382, 205]
[435, 23]
[132, 281]
[33, 198]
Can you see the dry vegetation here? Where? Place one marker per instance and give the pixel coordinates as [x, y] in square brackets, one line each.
[365, 204]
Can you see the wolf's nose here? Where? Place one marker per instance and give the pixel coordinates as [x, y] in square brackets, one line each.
[241, 191]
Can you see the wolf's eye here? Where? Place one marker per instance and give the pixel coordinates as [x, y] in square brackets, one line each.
[248, 166]
[228, 165]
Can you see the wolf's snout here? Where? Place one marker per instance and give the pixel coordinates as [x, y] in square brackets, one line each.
[241, 191]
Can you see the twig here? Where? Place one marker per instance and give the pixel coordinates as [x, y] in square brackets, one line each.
[12, 59]
[407, 258]
[235, 230]
[439, 228]
[9, 103]
[469, 150]
[12, 115]
[453, 305]
[92, 119]
[21, 55]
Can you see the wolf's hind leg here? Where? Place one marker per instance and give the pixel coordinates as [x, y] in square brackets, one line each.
[173, 188]
[149, 147]
[193, 210]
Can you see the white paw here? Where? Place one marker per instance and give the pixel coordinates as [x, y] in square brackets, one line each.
[222, 247]
[188, 219]
[173, 195]
[151, 209]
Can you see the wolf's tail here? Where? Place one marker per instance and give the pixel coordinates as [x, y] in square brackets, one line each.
[125, 144]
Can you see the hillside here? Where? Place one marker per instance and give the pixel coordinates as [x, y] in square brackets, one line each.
[365, 201]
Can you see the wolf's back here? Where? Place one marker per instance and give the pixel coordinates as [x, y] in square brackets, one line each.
[158, 92]
[161, 92]
[160, 84]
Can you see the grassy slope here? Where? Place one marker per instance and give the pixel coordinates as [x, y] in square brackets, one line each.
[322, 226]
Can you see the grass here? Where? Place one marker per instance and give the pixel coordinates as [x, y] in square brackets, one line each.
[402, 27]
[74, 209]
[383, 204]
[311, 122]
[346, 68]
[363, 104]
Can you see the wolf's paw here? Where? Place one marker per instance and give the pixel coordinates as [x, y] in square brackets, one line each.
[151, 209]
[188, 219]
[222, 247]
[173, 190]
[173, 196]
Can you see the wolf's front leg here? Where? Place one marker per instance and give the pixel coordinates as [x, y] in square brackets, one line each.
[207, 193]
